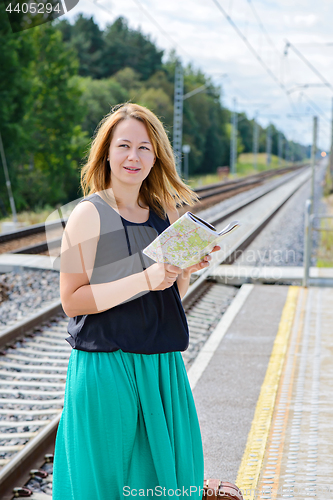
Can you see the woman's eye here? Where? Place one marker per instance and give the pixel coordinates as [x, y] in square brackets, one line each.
[127, 146]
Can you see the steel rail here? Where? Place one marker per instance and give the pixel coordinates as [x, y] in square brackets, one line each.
[11, 333]
[231, 185]
[31, 453]
[28, 231]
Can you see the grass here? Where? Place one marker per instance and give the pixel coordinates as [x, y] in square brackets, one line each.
[244, 167]
[27, 217]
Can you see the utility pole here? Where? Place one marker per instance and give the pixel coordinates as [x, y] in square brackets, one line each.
[313, 159]
[8, 184]
[233, 140]
[286, 151]
[178, 116]
[280, 149]
[269, 145]
[186, 149]
[331, 154]
[255, 141]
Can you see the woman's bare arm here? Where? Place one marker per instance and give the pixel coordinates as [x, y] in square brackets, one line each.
[78, 251]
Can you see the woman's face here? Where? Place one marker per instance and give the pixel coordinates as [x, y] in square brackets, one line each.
[131, 153]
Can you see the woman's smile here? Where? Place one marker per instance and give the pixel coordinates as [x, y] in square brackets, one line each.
[132, 170]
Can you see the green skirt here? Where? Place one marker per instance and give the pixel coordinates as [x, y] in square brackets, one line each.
[129, 428]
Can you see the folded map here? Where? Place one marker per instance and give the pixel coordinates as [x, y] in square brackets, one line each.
[186, 241]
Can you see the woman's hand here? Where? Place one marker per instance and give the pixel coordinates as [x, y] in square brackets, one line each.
[203, 263]
[161, 276]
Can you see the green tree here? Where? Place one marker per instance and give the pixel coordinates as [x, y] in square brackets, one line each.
[124, 47]
[97, 99]
[86, 38]
[158, 102]
[245, 131]
[159, 80]
[129, 79]
[56, 141]
[16, 57]
[204, 124]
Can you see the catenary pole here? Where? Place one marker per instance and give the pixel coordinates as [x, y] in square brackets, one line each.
[178, 116]
[331, 154]
[255, 141]
[313, 159]
[280, 149]
[186, 149]
[286, 151]
[269, 145]
[8, 184]
[233, 143]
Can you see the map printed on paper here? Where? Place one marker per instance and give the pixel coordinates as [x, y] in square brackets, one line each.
[186, 241]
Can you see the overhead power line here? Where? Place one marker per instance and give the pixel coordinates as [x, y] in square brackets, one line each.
[158, 26]
[252, 50]
[152, 19]
[316, 108]
[305, 86]
[95, 2]
[311, 66]
[313, 44]
[262, 27]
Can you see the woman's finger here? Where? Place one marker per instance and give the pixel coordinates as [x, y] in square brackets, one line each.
[172, 275]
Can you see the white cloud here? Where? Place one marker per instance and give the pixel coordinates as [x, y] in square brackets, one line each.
[301, 20]
[307, 20]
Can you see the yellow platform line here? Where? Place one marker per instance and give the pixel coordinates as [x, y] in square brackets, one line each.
[300, 326]
[249, 470]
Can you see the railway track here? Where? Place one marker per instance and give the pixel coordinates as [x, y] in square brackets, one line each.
[34, 358]
[33, 374]
[32, 240]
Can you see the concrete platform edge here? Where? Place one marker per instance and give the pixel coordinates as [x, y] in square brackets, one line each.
[202, 360]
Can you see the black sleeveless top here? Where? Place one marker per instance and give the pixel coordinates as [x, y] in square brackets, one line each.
[150, 322]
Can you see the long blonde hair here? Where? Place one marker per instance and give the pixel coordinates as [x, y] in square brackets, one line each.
[162, 188]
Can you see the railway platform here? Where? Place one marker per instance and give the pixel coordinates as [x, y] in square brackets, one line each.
[264, 393]
[237, 274]
[262, 383]
[12, 262]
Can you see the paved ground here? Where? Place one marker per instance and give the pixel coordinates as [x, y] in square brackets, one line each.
[264, 401]
[298, 461]
[226, 394]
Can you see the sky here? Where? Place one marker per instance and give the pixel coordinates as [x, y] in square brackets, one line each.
[282, 88]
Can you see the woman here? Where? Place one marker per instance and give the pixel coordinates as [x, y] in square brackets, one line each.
[129, 426]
